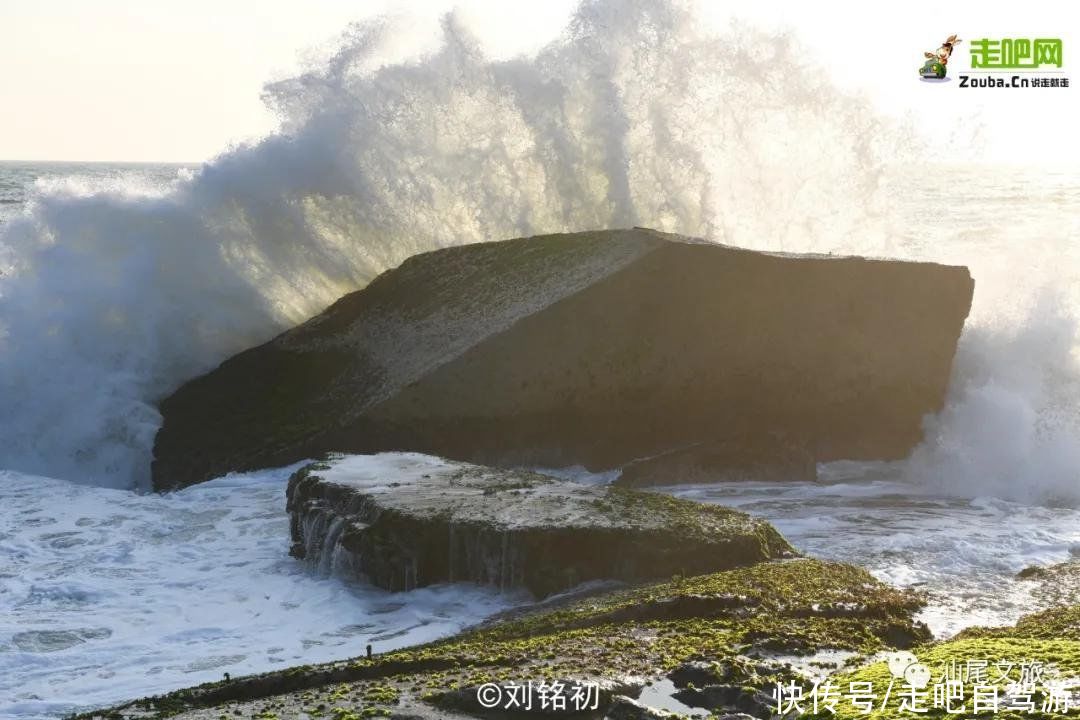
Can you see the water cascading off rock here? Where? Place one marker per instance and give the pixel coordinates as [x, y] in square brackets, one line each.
[405, 520]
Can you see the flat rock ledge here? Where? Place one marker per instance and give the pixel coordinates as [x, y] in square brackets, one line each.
[406, 520]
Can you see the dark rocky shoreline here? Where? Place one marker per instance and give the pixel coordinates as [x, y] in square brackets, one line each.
[717, 643]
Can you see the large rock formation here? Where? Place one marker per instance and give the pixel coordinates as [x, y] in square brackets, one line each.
[405, 520]
[592, 348]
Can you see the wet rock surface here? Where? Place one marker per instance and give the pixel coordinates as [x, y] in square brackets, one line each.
[405, 520]
[593, 348]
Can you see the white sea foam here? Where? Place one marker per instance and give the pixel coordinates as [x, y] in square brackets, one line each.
[106, 595]
[1011, 425]
[966, 553]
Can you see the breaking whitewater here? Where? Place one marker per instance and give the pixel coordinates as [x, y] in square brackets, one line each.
[118, 283]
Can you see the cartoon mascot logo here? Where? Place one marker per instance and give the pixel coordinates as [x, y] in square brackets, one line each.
[935, 66]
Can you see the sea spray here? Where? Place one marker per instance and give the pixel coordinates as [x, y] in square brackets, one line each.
[633, 116]
[1011, 426]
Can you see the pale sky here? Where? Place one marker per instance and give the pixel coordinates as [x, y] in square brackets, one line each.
[179, 80]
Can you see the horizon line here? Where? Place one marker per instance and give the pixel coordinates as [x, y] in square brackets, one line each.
[104, 161]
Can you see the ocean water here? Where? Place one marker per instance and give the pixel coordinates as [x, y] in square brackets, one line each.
[22, 182]
[106, 594]
[118, 283]
[964, 552]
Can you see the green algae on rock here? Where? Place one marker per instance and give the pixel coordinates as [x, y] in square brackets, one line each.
[743, 623]
[405, 520]
[592, 348]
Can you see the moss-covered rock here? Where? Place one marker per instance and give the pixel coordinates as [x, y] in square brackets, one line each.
[751, 620]
[403, 520]
[725, 640]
